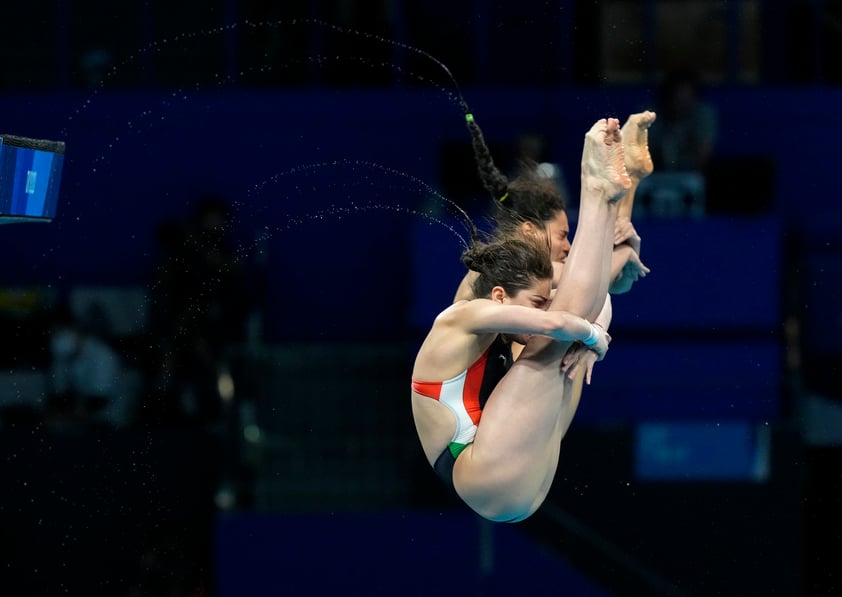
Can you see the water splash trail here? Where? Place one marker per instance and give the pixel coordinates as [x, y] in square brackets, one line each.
[305, 168]
[335, 211]
[156, 45]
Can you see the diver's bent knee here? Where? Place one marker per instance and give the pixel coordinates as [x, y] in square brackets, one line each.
[504, 496]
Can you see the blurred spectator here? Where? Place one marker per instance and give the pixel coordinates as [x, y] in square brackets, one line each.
[198, 314]
[86, 373]
[533, 147]
[684, 134]
[681, 141]
[94, 65]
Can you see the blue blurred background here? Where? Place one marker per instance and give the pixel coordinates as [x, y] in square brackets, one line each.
[261, 211]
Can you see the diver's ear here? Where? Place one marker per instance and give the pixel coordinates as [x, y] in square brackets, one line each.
[528, 228]
[498, 294]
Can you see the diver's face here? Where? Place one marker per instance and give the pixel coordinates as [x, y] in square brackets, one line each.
[558, 231]
[536, 296]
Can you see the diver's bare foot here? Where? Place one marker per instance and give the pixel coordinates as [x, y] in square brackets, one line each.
[603, 161]
[636, 144]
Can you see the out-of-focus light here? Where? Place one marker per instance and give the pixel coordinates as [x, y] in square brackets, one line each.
[225, 386]
[251, 433]
[225, 499]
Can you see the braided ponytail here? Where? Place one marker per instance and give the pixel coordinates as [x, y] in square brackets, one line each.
[529, 197]
[494, 181]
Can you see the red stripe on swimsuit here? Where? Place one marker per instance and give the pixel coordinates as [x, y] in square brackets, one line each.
[461, 394]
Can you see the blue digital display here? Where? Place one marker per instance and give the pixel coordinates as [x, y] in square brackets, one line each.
[30, 176]
[702, 451]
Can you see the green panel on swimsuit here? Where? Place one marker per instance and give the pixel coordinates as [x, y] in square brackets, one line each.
[456, 449]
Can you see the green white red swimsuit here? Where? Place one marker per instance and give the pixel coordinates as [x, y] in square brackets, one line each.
[465, 395]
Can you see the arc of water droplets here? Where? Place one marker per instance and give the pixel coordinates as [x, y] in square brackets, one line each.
[317, 59]
[335, 210]
[155, 46]
[303, 168]
[383, 40]
[321, 59]
[167, 103]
